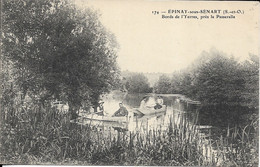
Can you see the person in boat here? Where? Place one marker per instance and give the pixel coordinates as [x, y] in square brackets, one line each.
[100, 108]
[159, 103]
[91, 109]
[143, 103]
[122, 111]
[151, 103]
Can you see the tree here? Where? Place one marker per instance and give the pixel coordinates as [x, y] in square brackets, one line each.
[218, 81]
[181, 82]
[250, 74]
[58, 51]
[163, 85]
[138, 83]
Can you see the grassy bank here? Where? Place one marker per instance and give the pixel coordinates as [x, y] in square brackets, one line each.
[43, 136]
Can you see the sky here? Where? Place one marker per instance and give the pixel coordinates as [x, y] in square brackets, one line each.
[149, 43]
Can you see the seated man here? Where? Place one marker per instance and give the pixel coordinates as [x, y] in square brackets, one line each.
[122, 111]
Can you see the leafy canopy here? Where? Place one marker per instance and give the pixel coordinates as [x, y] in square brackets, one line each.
[58, 51]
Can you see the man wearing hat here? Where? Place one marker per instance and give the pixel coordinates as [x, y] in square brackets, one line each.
[100, 108]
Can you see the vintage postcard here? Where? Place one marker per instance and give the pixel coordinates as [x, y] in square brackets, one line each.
[132, 83]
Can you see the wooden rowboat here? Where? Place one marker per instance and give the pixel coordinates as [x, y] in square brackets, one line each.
[136, 112]
[96, 117]
[150, 111]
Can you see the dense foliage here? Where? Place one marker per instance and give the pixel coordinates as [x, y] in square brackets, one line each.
[136, 83]
[52, 50]
[215, 79]
[227, 89]
[163, 85]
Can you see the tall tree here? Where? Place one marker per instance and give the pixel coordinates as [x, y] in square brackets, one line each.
[163, 85]
[218, 81]
[250, 74]
[58, 51]
[138, 83]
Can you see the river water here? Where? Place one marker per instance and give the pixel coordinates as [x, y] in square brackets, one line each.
[176, 111]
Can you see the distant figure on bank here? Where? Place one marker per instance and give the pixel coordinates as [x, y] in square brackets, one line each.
[122, 111]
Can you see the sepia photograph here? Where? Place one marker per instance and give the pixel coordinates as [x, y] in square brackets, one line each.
[129, 83]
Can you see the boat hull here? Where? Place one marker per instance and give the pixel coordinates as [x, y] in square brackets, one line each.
[137, 114]
[150, 111]
[96, 117]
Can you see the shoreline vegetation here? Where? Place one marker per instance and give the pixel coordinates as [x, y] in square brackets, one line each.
[52, 50]
[44, 136]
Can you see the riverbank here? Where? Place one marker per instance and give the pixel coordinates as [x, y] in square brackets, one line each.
[49, 137]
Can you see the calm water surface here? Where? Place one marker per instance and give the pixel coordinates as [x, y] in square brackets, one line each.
[176, 111]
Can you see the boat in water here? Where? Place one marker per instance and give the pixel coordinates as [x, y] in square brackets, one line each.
[149, 107]
[134, 114]
[150, 110]
[106, 118]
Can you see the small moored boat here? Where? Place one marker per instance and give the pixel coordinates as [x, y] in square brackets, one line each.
[150, 111]
[96, 117]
